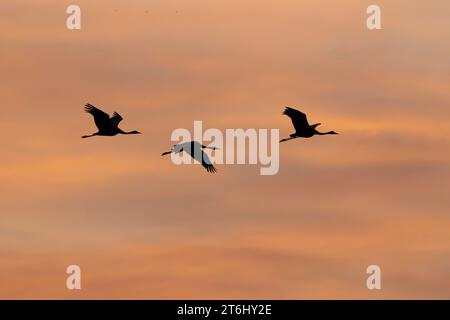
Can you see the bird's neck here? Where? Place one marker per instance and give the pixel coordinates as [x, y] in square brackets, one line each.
[127, 132]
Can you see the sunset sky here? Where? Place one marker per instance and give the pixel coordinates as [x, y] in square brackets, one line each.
[141, 227]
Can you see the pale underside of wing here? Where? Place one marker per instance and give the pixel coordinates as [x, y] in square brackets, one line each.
[195, 151]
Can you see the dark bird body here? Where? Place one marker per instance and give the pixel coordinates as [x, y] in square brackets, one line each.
[302, 128]
[195, 150]
[106, 125]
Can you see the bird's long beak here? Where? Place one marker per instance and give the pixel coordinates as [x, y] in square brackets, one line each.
[167, 152]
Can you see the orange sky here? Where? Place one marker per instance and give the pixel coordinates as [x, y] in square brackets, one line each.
[140, 227]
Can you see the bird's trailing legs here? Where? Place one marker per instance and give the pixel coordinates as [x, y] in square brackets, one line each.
[91, 135]
[287, 139]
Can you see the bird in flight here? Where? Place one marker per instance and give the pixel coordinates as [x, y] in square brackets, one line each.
[302, 128]
[106, 125]
[195, 150]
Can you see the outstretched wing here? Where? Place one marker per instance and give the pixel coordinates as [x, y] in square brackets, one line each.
[298, 118]
[101, 118]
[206, 163]
[194, 149]
[115, 119]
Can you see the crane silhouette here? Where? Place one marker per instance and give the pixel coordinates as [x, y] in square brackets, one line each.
[107, 126]
[302, 128]
[195, 150]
